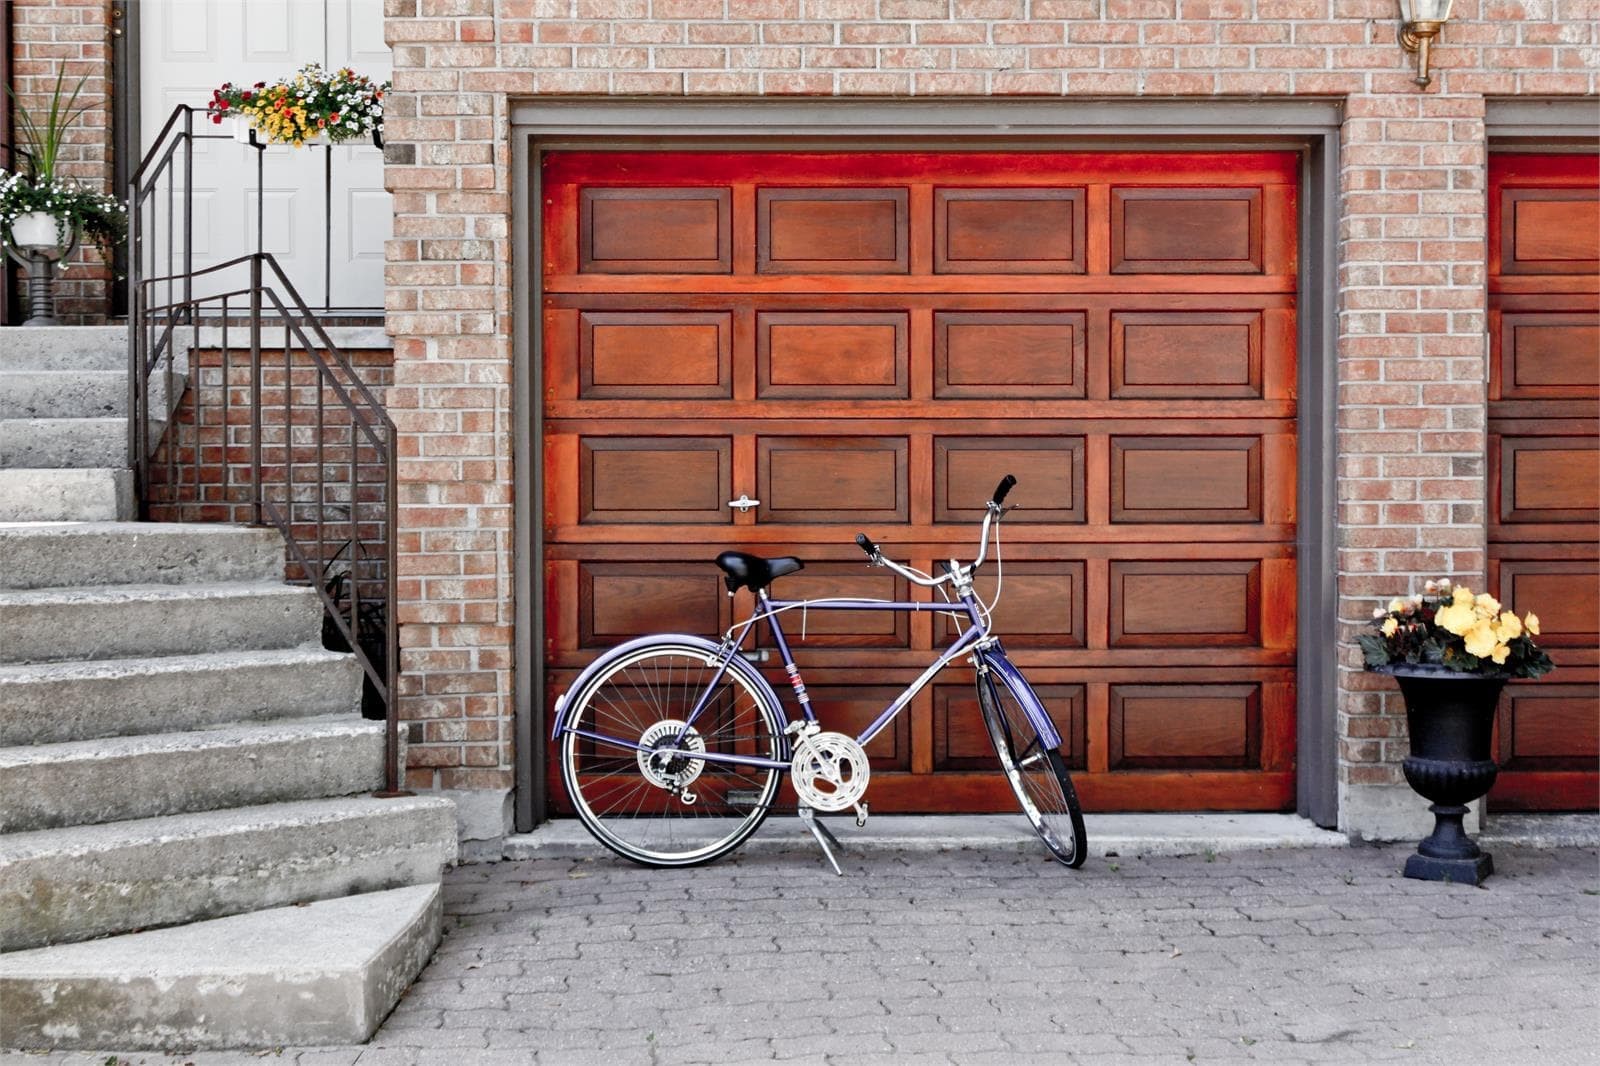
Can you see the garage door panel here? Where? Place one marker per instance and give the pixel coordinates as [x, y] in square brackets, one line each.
[660, 355]
[1549, 479]
[1196, 354]
[655, 230]
[1196, 726]
[1550, 231]
[620, 601]
[1005, 354]
[1565, 594]
[812, 480]
[1009, 231]
[1160, 230]
[842, 629]
[1178, 603]
[1186, 479]
[850, 709]
[1549, 726]
[961, 741]
[654, 480]
[964, 477]
[832, 231]
[1548, 355]
[832, 355]
[1043, 605]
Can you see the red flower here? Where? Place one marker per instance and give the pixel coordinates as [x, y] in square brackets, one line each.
[247, 94]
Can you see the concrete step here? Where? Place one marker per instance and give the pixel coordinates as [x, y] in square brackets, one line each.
[63, 393]
[63, 443]
[324, 974]
[136, 553]
[85, 782]
[61, 885]
[130, 621]
[65, 348]
[54, 703]
[93, 494]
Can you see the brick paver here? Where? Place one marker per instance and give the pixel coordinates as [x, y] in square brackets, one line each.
[963, 957]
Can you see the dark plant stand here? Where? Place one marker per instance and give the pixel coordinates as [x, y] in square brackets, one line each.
[1451, 719]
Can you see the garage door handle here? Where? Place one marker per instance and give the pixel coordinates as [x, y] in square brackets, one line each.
[744, 503]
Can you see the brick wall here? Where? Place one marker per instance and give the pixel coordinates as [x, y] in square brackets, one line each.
[45, 35]
[1411, 304]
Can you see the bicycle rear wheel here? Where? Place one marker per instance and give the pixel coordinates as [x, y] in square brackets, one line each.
[670, 809]
[1038, 774]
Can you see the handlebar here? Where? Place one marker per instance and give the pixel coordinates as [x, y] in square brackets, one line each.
[992, 511]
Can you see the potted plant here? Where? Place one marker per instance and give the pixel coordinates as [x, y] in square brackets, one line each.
[310, 105]
[1451, 652]
[43, 213]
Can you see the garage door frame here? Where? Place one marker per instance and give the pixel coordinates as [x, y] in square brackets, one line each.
[1309, 127]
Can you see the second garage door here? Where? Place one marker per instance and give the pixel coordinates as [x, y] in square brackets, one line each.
[868, 341]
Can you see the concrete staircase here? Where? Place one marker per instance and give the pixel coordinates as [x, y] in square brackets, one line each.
[63, 424]
[190, 854]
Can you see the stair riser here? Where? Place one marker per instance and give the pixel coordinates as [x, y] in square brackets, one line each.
[325, 998]
[64, 443]
[94, 394]
[65, 348]
[68, 631]
[87, 790]
[124, 557]
[169, 880]
[50, 711]
[103, 495]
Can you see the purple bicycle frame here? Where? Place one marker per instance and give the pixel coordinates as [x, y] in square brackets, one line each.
[993, 657]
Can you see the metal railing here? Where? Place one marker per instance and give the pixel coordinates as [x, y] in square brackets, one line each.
[242, 409]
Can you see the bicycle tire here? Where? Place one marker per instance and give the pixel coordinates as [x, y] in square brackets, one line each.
[1037, 774]
[631, 693]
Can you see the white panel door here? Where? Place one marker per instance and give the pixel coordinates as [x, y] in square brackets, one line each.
[188, 48]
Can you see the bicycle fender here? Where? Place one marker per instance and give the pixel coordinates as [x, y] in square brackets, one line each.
[1032, 706]
[712, 648]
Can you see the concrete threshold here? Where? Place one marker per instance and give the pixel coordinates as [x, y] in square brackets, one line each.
[1540, 831]
[1112, 835]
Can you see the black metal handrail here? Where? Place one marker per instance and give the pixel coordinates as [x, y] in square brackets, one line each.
[242, 408]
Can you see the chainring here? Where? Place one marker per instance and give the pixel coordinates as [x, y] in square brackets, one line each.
[829, 771]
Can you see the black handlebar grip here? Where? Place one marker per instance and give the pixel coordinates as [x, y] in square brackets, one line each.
[864, 542]
[1005, 486]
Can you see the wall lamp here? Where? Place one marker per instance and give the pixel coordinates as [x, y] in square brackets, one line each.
[1420, 23]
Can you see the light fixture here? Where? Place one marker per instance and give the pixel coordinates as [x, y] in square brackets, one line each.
[1420, 23]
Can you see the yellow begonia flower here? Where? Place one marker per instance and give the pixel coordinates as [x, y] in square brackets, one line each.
[1531, 622]
[1397, 605]
[1499, 653]
[1457, 618]
[1509, 628]
[1462, 597]
[1480, 640]
[1488, 603]
[1390, 626]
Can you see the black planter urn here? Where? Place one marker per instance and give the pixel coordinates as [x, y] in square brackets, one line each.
[1451, 719]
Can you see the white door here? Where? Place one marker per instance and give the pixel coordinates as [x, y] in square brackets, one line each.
[327, 236]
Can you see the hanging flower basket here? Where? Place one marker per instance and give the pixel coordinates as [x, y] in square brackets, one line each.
[304, 108]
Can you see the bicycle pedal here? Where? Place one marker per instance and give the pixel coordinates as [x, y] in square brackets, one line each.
[861, 816]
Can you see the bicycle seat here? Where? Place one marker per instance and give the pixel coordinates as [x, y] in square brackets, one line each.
[742, 569]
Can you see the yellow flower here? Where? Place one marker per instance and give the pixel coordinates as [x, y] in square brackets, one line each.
[1531, 622]
[1397, 605]
[1462, 596]
[1499, 653]
[1488, 604]
[1457, 618]
[1390, 626]
[1480, 640]
[1509, 628]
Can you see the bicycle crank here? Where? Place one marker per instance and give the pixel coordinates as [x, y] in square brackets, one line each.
[830, 773]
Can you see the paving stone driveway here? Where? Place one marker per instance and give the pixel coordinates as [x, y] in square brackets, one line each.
[1280, 957]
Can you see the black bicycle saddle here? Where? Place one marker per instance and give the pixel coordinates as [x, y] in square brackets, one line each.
[743, 570]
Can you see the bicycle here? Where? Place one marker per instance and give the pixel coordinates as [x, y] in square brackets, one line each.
[674, 747]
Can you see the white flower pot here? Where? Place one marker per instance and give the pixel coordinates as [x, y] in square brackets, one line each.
[38, 231]
[241, 129]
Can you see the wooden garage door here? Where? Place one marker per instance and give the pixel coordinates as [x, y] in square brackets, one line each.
[1544, 484]
[869, 341]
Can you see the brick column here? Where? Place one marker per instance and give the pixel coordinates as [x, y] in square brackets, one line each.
[1413, 388]
[47, 35]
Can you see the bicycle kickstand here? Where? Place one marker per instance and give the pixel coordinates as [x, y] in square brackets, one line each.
[824, 837]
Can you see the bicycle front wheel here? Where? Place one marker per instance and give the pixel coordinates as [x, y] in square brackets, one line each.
[1038, 774]
[628, 755]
